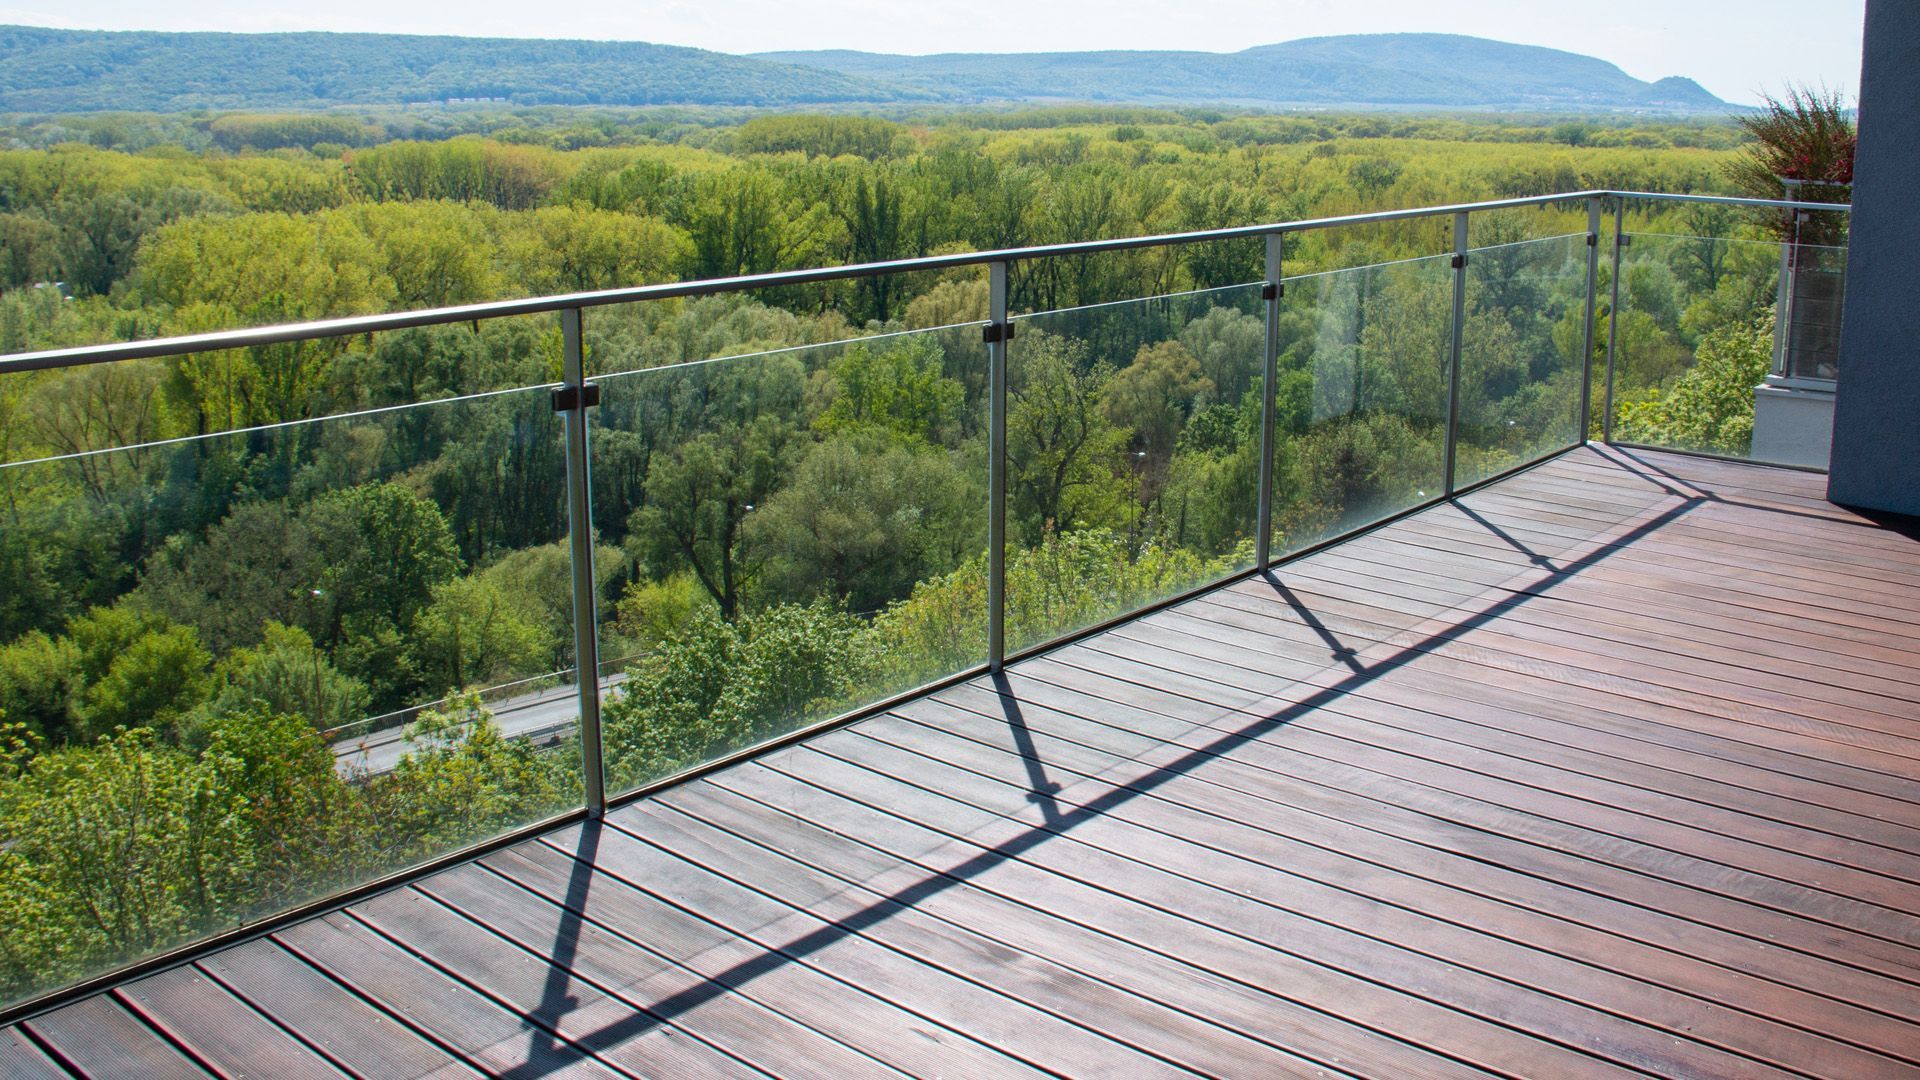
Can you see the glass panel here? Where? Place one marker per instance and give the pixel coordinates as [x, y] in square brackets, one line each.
[807, 528]
[1133, 447]
[1807, 334]
[1810, 340]
[1362, 392]
[1520, 362]
[1693, 337]
[249, 669]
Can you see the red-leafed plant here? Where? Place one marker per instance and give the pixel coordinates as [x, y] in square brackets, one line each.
[1809, 136]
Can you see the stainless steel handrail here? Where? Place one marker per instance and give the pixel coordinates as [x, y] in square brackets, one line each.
[404, 320]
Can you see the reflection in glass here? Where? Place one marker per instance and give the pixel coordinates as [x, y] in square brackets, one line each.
[806, 528]
[1360, 428]
[1133, 449]
[247, 669]
[1694, 336]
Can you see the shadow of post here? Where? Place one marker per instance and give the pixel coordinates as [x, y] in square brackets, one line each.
[556, 998]
[1040, 790]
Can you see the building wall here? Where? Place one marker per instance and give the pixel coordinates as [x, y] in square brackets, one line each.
[1876, 435]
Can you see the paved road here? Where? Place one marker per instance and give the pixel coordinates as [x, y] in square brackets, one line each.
[542, 717]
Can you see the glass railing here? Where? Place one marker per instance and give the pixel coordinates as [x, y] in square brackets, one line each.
[1725, 338]
[1521, 363]
[1133, 448]
[285, 613]
[302, 654]
[1361, 397]
[807, 531]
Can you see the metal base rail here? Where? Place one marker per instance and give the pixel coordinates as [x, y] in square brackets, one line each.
[1711, 456]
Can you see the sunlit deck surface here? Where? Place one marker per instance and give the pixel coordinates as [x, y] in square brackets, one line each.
[1610, 768]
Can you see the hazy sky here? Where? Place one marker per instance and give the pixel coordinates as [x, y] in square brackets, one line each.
[1736, 50]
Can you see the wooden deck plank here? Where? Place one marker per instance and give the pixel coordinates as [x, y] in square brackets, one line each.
[1497, 535]
[1250, 795]
[220, 1029]
[1697, 693]
[100, 1038]
[1500, 656]
[1611, 767]
[1704, 632]
[1025, 904]
[919, 983]
[597, 962]
[1869, 762]
[1558, 486]
[1390, 810]
[721, 963]
[485, 1031]
[1258, 835]
[1023, 969]
[911, 981]
[509, 1011]
[1706, 779]
[335, 1021]
[1886, 906]
[1254, 952]
[1234, 857]
[1873, 934]
[20, 1057]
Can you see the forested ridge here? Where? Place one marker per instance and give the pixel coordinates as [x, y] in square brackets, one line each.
[214, 567]
[83, 70]
[1426, 70]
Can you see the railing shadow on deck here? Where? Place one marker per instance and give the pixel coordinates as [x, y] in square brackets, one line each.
[1055, 822]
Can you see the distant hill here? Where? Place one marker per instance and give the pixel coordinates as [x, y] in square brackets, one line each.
[1429, 70]
[89, 70]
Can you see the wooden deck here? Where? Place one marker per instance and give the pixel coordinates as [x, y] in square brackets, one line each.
[1610, 768]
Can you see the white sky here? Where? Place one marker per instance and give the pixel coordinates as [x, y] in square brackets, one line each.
[1735, 49]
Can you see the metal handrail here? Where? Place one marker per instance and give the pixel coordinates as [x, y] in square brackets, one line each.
[406, 320]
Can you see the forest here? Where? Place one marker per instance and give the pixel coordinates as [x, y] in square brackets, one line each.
[220, 571]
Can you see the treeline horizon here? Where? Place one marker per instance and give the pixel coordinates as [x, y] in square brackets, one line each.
[574, 127]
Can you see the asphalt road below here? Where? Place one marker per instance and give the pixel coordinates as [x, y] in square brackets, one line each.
[541, 716]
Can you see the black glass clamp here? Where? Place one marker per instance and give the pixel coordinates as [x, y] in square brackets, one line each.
[569, 398]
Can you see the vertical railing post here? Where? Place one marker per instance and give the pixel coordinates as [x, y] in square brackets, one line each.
[572, 401]
[1585, 425]
[999, 330]
[1263, 516]
[1459, 340]
[1784, 291]
[1613, 315]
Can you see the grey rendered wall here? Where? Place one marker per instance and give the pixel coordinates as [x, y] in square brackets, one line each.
[1876, 431]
